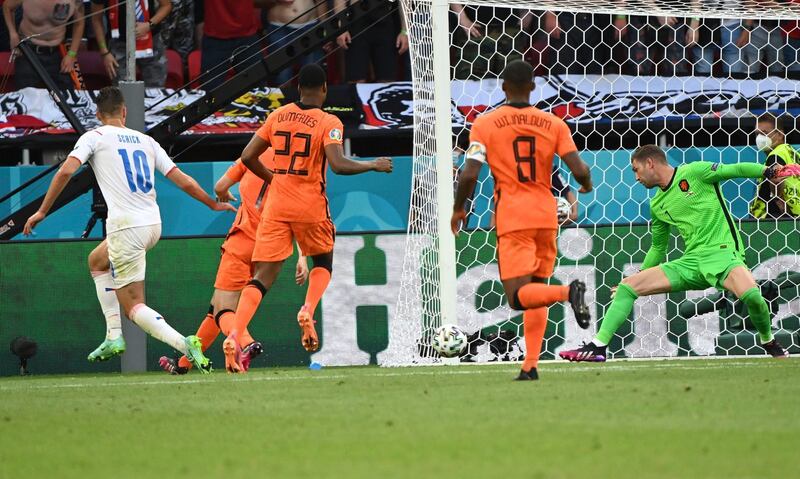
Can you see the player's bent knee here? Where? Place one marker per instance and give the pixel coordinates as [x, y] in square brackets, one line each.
[514, 302]
[324, 261]
[755, 301]
[97, 262]
[636, 284]
[259, 285]
[220, 314]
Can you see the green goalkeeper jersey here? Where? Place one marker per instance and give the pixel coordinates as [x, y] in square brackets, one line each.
[693, 203]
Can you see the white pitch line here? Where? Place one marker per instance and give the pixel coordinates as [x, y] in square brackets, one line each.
[567, 369]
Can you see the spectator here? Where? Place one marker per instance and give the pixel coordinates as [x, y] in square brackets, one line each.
[733, 40]
[703, 38]
[378, 44]
[791, 49]
[229, 38]
[4, 44]
[489, 38]
[776, 200]
[650, 45]
[579, 42]
[150, 57]
[177, 30]
[47, 20]
[281, 33]
[762, 41]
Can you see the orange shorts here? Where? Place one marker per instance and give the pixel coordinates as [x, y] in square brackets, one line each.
[274, 239]
[527, 252]
[235, 267]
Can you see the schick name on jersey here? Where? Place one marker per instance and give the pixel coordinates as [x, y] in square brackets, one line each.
[128, 139]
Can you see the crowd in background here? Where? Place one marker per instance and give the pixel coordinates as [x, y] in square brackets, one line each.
[236, 33]
[484, 39]
[584, 43]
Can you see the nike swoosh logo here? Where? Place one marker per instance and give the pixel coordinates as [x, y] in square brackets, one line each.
[110, 289]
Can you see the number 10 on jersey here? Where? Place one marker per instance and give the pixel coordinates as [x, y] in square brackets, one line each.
[144, 177]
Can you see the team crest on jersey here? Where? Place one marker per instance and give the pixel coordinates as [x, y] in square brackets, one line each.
[335, 134]
[684, 186]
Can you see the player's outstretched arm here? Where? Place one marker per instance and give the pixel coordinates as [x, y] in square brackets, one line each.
[342, 165]
[193, 189]
[716, 172]
[250, 155]
[467, 180]
[580, 170]
[57, 185]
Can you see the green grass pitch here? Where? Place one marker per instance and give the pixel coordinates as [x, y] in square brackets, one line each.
[732, 418]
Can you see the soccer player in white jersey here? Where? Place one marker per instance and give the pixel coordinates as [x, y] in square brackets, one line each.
[124, 162]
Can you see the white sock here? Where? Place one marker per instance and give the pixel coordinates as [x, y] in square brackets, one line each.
[104, 286]
[599, 343]
[155, 325]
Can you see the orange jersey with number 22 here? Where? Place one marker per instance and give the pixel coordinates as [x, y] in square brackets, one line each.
[299, 133]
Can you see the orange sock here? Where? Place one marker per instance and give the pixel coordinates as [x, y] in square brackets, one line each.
[537, 295]
[227, 322]
[248, 304]
[207, 332]
[244, 338]
[318, 280]
[534, 322]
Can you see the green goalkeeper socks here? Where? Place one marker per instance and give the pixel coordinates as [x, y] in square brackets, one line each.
[619, 311]
[759, 313]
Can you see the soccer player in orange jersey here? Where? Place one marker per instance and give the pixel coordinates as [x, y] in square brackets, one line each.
[305, 139]
[519, 142]
[235, 268]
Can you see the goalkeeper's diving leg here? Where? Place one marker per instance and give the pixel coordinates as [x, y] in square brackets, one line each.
[644, 283]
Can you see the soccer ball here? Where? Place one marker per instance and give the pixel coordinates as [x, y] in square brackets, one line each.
[449, 341]
[563, 208]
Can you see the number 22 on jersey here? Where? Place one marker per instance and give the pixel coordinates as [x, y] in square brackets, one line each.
[304, 152]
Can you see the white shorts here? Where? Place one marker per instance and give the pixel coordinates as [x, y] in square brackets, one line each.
[127, 250]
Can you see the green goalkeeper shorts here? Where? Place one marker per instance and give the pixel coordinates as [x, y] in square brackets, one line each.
[702, 269]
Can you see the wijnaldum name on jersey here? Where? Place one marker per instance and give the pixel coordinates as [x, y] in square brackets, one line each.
[531, 120]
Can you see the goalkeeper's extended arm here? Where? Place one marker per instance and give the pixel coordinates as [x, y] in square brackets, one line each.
[719, 172]
[658, 247]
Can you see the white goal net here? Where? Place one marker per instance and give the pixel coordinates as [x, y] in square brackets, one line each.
[693, 77]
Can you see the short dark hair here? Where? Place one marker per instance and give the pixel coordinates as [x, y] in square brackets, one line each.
[777, 122]
[110, 100]
[768, 118]
[518, 72]
[654, 152]
[311, 76]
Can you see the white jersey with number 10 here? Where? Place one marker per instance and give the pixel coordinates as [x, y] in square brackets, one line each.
[124, 162]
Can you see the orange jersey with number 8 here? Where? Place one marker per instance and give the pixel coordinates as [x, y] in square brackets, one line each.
[299, 133]
[519, 142]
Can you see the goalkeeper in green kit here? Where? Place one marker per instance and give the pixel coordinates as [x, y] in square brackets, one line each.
[690, 199]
